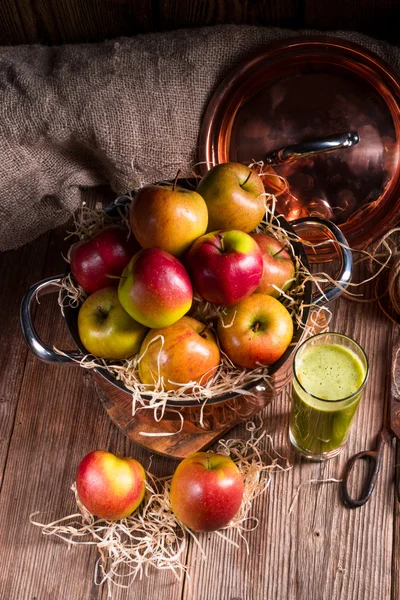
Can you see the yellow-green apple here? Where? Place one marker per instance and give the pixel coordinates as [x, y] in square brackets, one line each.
[187, 352]
[225, 266]
[234, 196]
[105, 328]
[206, 491]
[109, 486]
[255, 332]
[155, 288]
[168, 217]
[106, 253]
[278, 267]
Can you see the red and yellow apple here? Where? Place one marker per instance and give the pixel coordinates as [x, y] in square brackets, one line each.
[278, 267]
[155, 288]
[106, 253]
[255, 332]
[206, 491]
[187, 353]
[225, 266]
[234, 196]
[168, 217]
[110, 487]
[105, 328]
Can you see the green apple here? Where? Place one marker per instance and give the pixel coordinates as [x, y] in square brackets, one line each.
[168, 217]
[105, 328]
[234, 196]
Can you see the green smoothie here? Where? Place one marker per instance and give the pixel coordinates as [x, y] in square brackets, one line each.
[325, 402]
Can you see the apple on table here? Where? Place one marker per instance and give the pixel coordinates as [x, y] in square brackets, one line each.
[234, 194]
[110, 487]
[188, 353]
[155, 288]
[225, 266]
[105, 328]
[206, 491]
[168, 217]
[106, 253]
[255, 332]
[278, 266]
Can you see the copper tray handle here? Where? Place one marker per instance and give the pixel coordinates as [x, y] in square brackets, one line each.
[304, 149]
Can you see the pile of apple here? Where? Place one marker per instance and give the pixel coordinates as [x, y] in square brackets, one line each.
[183, 243]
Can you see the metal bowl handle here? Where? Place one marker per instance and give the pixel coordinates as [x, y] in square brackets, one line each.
[46, 286]
[345, 254]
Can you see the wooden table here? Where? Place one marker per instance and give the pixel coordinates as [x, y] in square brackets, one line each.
[50, 418]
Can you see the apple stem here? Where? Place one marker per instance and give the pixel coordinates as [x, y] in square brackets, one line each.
[208, 460]
[256, 327]
[115, 277]
[205, 329]
[176, 180]
[221, 239]
[101, 311]
[279, 251]
[247, 178]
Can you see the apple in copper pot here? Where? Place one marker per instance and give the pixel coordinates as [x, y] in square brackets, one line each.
[255, 332]
[105, 328]
[225, 266]
[155, 288]
[234, 196]
[168, 217]
[106, 253]
[278, 267]
[206, 491]
[184, 352]
[110, 487]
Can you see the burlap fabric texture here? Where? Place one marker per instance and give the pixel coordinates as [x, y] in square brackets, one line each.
[114, 113]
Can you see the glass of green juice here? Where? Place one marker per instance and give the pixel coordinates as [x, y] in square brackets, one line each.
[330, 371]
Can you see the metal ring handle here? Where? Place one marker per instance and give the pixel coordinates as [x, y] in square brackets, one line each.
[346, 256]
[39, 349]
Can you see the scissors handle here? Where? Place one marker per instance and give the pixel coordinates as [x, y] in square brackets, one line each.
[375, 459]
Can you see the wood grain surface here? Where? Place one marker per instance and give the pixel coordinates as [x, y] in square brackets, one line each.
[51, 417]
[72, 21]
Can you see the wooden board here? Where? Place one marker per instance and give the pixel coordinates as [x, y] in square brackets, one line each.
[201, 427]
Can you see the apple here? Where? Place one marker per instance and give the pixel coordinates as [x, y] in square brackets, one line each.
[278, 265]
[189, 353]
[234, 196]
[206, 491]
[155, 288]
[255, 332]
[109, 486]
[106, 253]
[168, 217]
[225, 266]
[105, 328]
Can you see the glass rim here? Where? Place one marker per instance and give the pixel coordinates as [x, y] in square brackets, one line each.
[342, 335]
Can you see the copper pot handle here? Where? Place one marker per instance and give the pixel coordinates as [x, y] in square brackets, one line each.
[345, 255]
[34, 343]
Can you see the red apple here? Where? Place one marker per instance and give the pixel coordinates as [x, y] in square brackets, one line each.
[110, 487]
[155, 288]
[168, 217]
[106, 253]
[225, 266]
[206, 491]
[255, 332]
[234, 196]
[278, 265]
[105, 328]
[189, 353]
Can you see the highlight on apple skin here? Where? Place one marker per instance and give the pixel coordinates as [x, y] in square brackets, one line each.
[186, 352]
[234, 196]
[225, 266]
[206, 491]
[108, 486]
[260, 330]
[105, 328]
[155, 288]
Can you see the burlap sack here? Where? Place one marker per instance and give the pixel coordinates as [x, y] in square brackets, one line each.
[83, 115]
